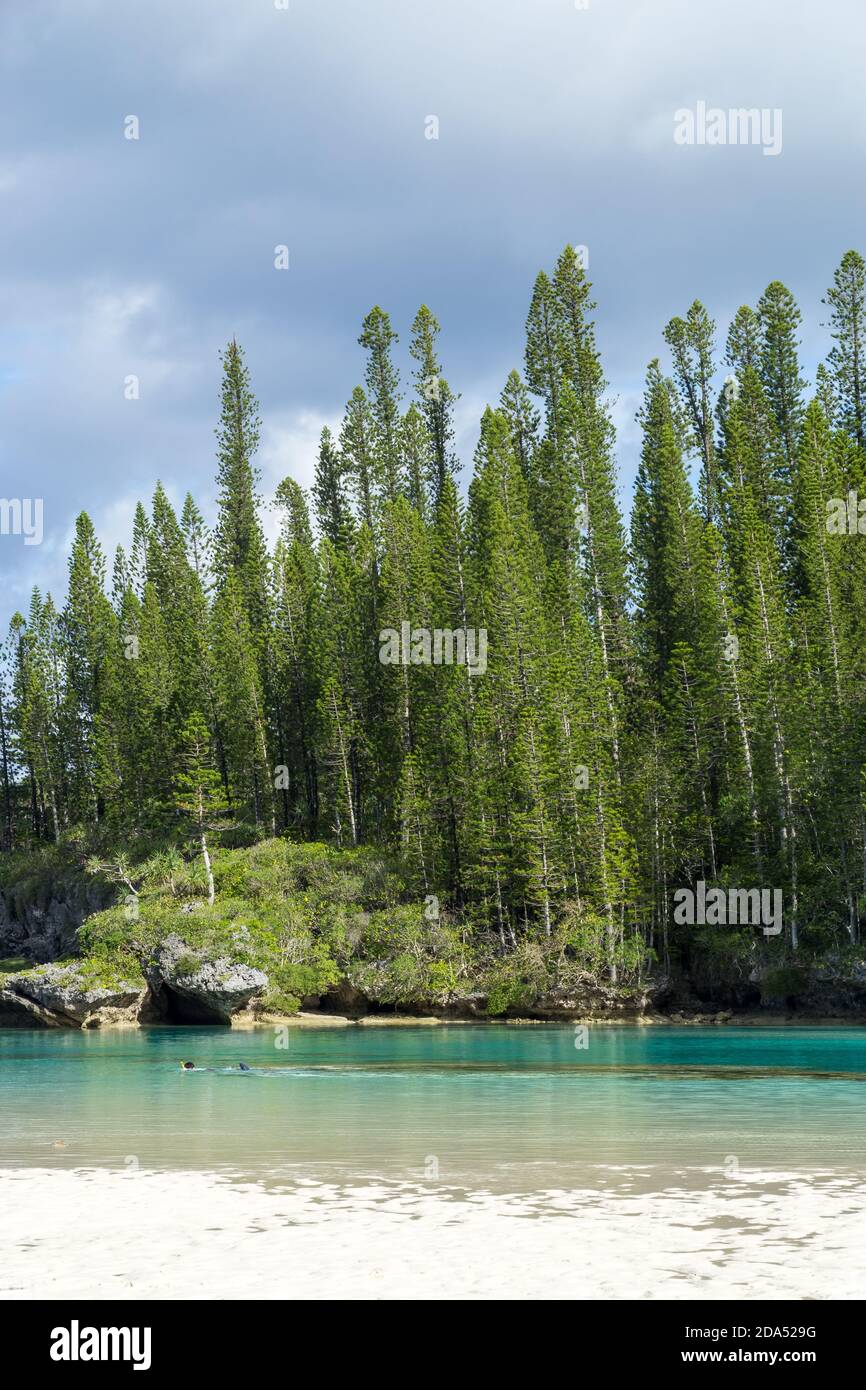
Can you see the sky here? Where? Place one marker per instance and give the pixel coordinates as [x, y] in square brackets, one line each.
[306, 124]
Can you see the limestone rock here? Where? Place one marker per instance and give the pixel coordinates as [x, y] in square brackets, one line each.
[195, 988]
[59, 996]
[16, 1011]
[46, 928]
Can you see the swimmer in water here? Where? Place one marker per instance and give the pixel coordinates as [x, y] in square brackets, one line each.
[191, 1066]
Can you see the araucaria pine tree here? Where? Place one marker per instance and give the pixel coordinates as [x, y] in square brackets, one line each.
[548, 719]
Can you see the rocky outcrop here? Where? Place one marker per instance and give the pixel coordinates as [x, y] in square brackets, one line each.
[598, 1000]
[185, 984]
[181, 985]
[342, 998]
[371, 994]
[17, 1011]
[189, 987]
[44, 927]
[58, 996]
[832, 988]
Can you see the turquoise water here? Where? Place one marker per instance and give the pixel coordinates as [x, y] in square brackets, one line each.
[496, 1106]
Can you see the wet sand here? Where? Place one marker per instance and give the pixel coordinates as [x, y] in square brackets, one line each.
[629, 1232]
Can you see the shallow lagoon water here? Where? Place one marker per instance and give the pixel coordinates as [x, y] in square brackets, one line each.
[500, 1107]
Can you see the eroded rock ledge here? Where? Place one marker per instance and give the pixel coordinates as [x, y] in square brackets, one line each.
[187, 987]
[59, 996]
[181, 984]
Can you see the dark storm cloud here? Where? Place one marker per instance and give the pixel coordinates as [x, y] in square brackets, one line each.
[261, 126]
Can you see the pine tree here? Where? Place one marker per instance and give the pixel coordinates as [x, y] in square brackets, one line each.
[825, 393]
[182, 606]
[198, 543]
[356, 447]
[691, 341]
[779, 367]
[7, 841]
[332, 508]
[543, 366]
[420, 468]
[383, 392]
[238, 543]
[340, 641]
[240, 706]
[90, 631]
[830, 573]
[449, 737]
[743, 345]
[435, 395]
[297, 614]
[36, 714]
[507, 566]
[846, 300]
[753, 538]
[198, 789]
[681, 641]
[138, 552]
[515, 403]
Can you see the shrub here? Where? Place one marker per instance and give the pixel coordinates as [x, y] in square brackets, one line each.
[278, 1002]
[516, 980]
[507, 993]
[231, 876]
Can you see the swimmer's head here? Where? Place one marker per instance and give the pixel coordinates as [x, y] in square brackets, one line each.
[187, 1066]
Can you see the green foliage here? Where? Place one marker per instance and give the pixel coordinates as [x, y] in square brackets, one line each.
[689, 707]
[519, 979]
[278, 1002]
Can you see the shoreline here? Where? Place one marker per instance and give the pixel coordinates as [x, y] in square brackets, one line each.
[308, 1019]
[744, 1020]
[631, 1233]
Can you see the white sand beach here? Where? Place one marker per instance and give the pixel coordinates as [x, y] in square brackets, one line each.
[101, 1233]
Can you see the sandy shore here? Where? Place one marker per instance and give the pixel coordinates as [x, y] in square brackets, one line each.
[99, 1233]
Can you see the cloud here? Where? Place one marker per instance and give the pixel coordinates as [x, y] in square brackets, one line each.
[261, 126]
[289, 448]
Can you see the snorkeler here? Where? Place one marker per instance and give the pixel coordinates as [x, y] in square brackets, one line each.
[191, 1066]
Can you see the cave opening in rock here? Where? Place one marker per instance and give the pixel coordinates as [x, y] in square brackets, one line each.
[180, 1008]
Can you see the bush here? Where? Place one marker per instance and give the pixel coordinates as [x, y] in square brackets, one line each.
[231, 876]
[277, 1002]
[507, 993]
[313, 978]
[105, 972]
[516, 980]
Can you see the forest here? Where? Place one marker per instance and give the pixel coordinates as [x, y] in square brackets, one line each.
[676, 698]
